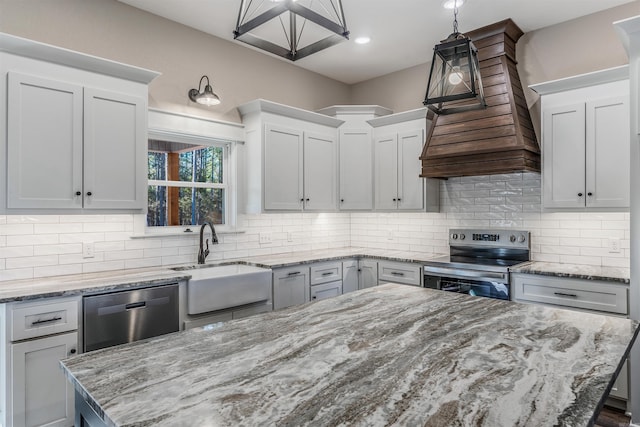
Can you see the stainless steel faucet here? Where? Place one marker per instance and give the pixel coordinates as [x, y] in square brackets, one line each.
[203, 252]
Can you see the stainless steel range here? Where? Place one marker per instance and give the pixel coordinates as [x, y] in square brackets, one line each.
[479, 261]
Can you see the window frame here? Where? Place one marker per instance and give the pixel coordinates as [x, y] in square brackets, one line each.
[189, 129]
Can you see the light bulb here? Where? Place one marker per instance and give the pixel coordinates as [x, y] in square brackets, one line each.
[455, 76]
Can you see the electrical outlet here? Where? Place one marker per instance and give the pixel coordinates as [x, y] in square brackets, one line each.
[88, 250]
[614, 246]
[265, 238]
[289, 236]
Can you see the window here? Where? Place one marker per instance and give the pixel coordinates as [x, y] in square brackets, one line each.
[188, 183]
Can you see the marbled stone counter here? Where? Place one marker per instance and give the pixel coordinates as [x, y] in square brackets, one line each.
[82, 284]
[389, 355]
[576, 271]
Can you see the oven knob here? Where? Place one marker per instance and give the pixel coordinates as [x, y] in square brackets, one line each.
[521, 238]
[512, 238]
[462, 236]
[454, 236]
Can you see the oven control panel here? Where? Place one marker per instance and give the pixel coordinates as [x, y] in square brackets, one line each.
[492, 238]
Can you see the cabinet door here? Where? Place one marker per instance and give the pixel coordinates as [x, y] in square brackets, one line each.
[607, 152]
[115, 147]
[620, 388]
[290, 287]
[356, 178]
[563, 155]
[41, 393]
[44, 150]
[326, 290]
[349, 276]
[386, 172]
[368, 273]
[320, 172]
[282, 169]
[410, 185]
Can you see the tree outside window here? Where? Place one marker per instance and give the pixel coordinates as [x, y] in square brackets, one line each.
[187, 184]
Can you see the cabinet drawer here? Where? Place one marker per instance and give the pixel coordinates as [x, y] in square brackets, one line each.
[44, 317]
[400, 272]
[326, 272]
[584, 294]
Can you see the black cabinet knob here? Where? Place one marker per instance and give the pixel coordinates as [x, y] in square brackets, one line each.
[88, 193]
[399, 199]
[307, 200]
[78, 193]
[341, 200]
[579, 194]
[72, 351]
[394, 200]
[589, 194]
[302, 200]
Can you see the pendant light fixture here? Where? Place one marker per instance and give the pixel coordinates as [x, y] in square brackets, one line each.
[291, 29]
[205, 97]
[455, 74]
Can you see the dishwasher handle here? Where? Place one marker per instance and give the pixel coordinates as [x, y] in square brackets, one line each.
[133, 305]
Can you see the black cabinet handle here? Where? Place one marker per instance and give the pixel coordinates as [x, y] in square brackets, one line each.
[328, 273]
[313, 297]
[88, 193]
[78, 193]
[53, 319]
[397, 273]
[293, 273]
[562, 294]
[133, 305]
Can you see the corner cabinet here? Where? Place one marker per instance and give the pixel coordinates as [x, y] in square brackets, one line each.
[290, 159]
[76, 130]
[586, 141]
[398, 142]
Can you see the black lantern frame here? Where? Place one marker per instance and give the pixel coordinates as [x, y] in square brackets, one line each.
[332, 21]
[454, 76]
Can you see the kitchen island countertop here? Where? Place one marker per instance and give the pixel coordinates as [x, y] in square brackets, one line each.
[392, 354]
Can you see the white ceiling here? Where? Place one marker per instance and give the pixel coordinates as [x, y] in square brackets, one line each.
[402, 32]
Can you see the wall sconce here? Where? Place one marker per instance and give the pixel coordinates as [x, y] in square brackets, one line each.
[455, 74]
[206, 97]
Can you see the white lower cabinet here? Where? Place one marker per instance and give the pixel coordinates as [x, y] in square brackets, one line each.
[36, 335]
[400, 272]
[581, 295]
[41, 394]
[368, 273]
[350, 276]
[326, 290]
[290, 286]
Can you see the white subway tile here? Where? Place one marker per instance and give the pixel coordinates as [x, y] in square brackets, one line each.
[57, 228]
[16, 229]
[31, 261]
[69, 248]
[81, 237]
[32, 219]
[32, 239]
[16, 274]
[118, 255]
[57, 270]
[16, 251]
[102, 266]
[143, 263]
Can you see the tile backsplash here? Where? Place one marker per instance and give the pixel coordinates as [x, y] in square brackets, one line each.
[33, 246]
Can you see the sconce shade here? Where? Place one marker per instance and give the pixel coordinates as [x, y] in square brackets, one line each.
[309, 26]
[454, 77]
[205, 97]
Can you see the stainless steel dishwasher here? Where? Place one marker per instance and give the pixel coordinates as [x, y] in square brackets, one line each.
[127, 316]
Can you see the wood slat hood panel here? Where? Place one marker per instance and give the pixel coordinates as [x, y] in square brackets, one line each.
[498, 139]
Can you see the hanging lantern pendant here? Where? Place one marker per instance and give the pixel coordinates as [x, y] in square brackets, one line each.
[455, 75]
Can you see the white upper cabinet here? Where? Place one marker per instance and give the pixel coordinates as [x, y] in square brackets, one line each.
[76, 130]
[283, 168]
[289, 159]
[356, 169]
[398, 141]
[586, 141]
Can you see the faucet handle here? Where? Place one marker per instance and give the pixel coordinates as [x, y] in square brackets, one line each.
[206, 251]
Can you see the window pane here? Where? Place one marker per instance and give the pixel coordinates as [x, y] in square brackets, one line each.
[157, 212]
[157, 165]
[201, 165]
[194, 206]
[200, 205]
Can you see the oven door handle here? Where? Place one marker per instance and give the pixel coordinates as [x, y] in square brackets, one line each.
[466, 274]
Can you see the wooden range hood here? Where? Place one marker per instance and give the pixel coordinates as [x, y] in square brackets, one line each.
[498, 139]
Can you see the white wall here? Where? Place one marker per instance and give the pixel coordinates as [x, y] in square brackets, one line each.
[37, 246]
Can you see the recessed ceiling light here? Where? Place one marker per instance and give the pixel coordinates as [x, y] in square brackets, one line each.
[450, 4]
[362, 40]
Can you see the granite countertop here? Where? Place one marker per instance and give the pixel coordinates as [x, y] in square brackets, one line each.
[83, 284]
[392, 354]
[576, 271]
